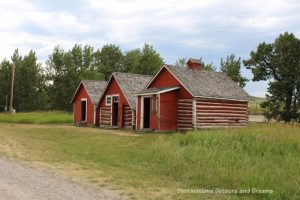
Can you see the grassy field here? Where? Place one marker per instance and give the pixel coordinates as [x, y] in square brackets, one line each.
[54, 117]
[154, 166]
[254, 105]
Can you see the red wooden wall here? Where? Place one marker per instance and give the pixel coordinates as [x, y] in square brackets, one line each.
[168, 111]
[81, 93]
[124, 109]
[166, 79]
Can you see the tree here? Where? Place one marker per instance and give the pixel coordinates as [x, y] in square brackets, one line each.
[146, 61]
[108, 60]
[150, 61]
[132, 60]
[209, 67]
[64, 72]
[181, 62]
[29, 85]
[232, 68]
[5, 79]
[279, 62]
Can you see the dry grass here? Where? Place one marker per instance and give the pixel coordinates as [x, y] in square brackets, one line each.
[153, 166]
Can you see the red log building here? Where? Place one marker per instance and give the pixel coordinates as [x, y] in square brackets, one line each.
[117, 104]
[179, 98]
[85, 100]
[175, 99]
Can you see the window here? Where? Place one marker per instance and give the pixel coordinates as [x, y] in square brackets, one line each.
[115, 98]
[108, 100]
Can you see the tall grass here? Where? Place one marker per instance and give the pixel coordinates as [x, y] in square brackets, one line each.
[53, 117]
[262, 156]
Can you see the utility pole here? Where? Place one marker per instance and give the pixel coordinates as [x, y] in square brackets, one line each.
[6, 103]
[12, 88]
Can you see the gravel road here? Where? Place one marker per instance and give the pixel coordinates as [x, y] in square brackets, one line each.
[18, 180]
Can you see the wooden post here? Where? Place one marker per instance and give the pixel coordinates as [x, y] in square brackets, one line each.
[194, 114]
[6, 103]
[12, 89]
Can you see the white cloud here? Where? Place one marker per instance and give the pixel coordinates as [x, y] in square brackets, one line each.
[177, 28]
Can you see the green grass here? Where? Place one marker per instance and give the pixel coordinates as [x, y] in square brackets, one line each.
[254, 105]
[262, 156]
[53, 117]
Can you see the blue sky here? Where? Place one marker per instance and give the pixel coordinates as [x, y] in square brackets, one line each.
[209, 29]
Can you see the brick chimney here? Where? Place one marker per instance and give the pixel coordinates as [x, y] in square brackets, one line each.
[194, 64]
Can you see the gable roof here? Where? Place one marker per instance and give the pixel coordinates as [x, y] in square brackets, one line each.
[94, 89]
[131, 84]
[207, 84]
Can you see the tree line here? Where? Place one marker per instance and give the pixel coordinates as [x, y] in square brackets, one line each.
[51, 87]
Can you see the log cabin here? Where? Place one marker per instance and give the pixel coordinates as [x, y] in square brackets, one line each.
[118, 103]
[85, 100]
[186, 98]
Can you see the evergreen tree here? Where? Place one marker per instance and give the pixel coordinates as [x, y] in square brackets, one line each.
[5, 80]
[232, 68]
[181, 62]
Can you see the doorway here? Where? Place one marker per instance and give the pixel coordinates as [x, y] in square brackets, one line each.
[115, 113]
[83, 110]
[146, 109]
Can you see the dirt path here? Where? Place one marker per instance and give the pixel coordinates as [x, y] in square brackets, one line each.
[18, 180]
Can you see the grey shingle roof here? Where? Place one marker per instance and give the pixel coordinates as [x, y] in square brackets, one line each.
[131, 84]
[208, 84]
[94, 89]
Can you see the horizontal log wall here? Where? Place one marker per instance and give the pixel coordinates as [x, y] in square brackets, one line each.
[105, 116]
[127, 117]
[184, 114]
[216, 113]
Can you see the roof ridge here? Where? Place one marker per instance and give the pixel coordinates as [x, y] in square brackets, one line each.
[185, 68]
[132, 74]
[94, 80]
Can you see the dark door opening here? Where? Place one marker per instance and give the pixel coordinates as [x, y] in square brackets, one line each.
[146, 120]
[115, 112]
[83, 111]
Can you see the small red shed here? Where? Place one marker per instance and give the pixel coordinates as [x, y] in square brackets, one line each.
[185, 98]
[85, 100]
[117, 104]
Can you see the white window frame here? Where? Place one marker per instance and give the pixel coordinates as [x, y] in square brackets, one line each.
[115, 95]
[86, 109]
[106, 97]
